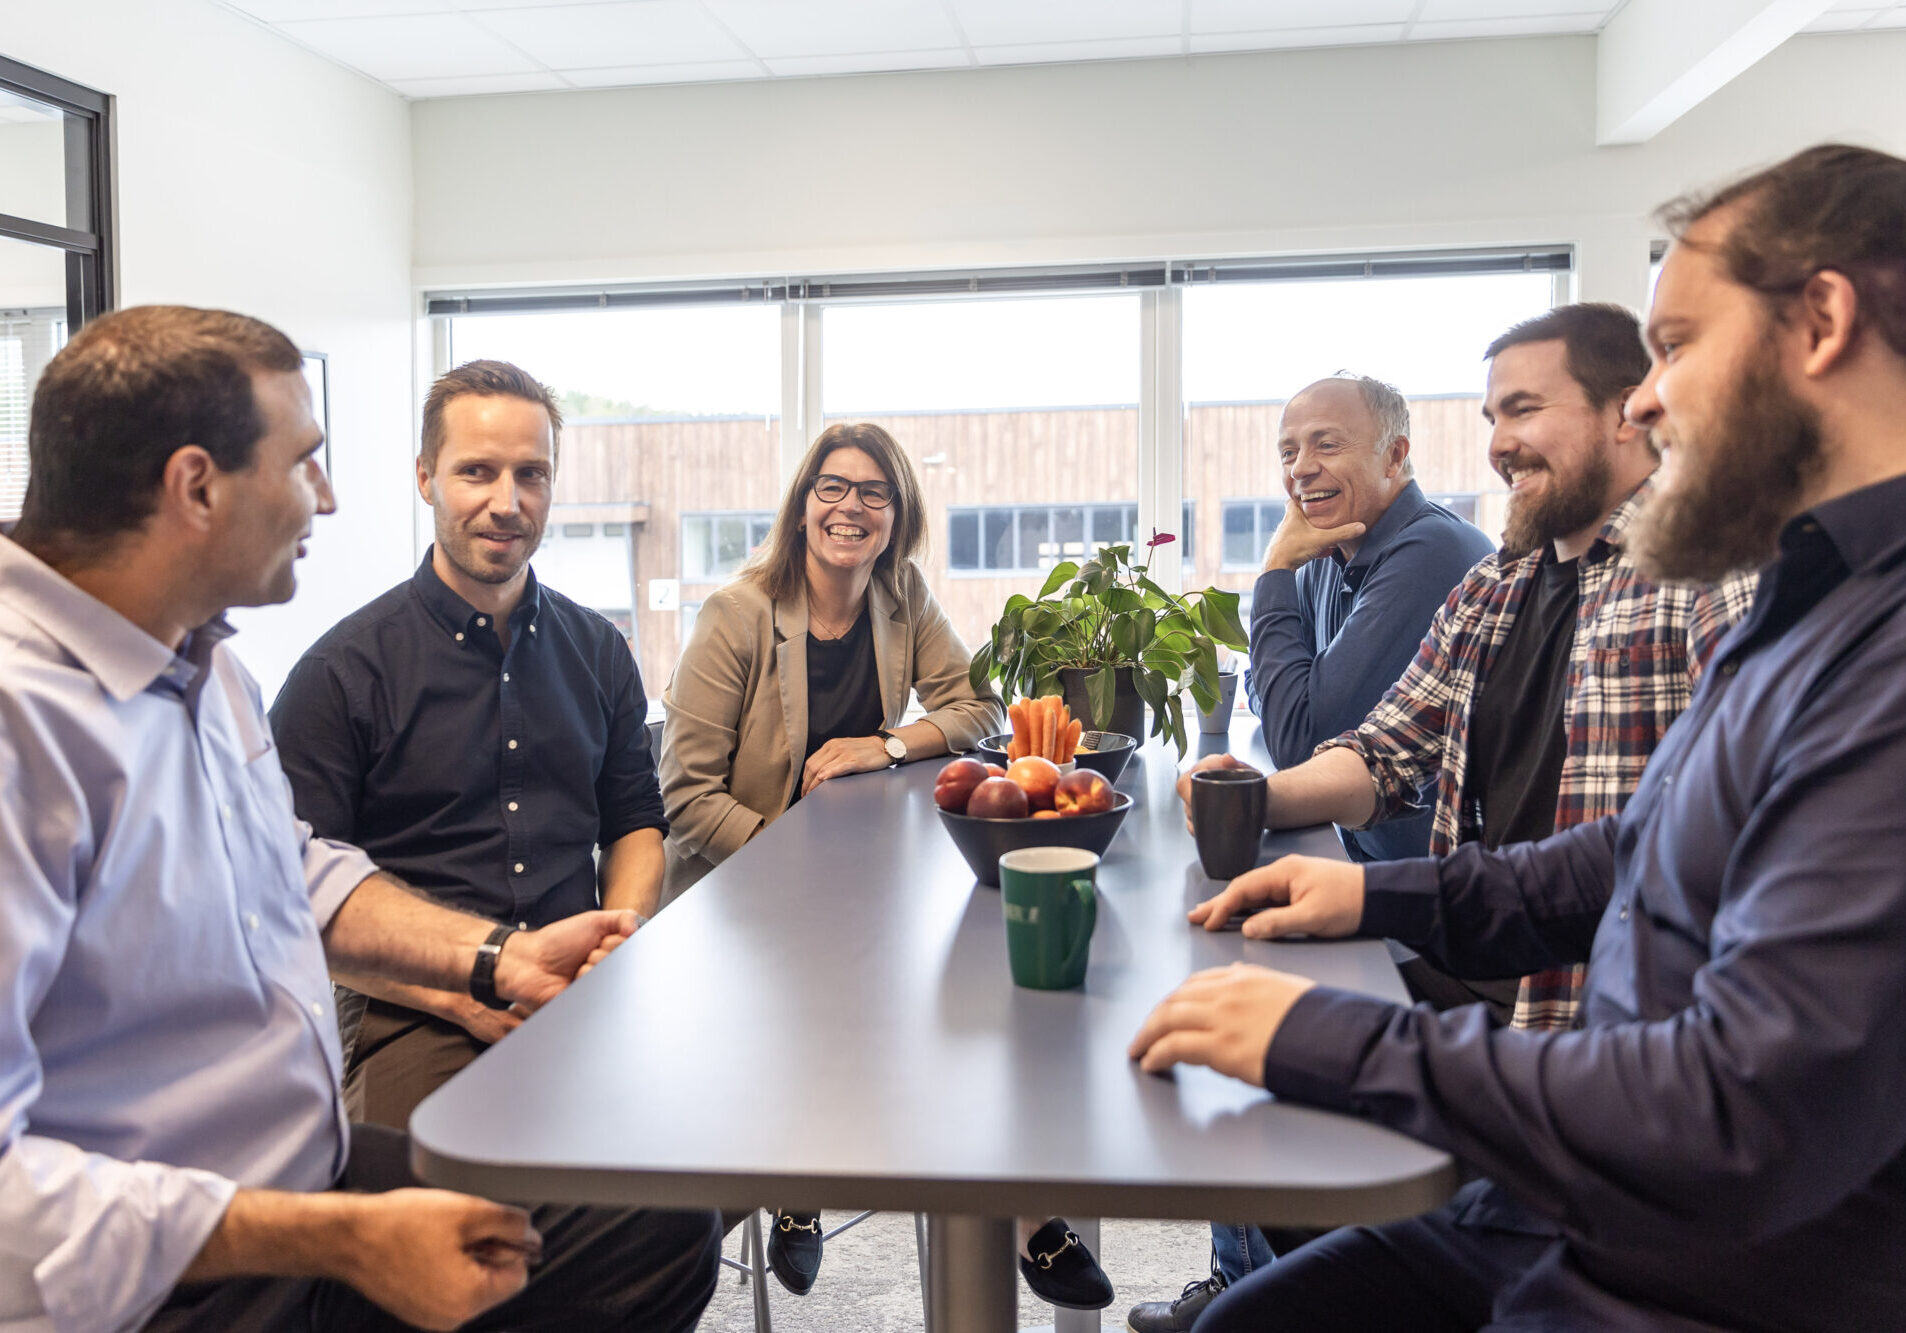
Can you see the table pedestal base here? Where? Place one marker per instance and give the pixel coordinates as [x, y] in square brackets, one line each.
[972, 1274]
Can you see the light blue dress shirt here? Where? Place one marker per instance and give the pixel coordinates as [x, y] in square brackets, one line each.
[166, 1028]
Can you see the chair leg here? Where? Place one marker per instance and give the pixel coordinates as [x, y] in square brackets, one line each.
[763, 1321]
[926, 1289]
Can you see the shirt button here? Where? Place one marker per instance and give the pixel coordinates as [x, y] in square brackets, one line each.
[481, 622]
[1729, 668]
[522, 925]
[512, 745]
[226, 810]
[459, 636]
[519, 867]
[532, 629]
[251, 920]
[506, 677]
[317, 1010]
[1624, 912]
[512, 805]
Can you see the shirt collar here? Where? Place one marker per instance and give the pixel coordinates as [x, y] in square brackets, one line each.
[1614, 533]
[1408, 504]
[455, 614]
[1863, 525]
[123, 658]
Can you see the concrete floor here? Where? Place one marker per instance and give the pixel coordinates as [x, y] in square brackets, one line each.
[870, 1278]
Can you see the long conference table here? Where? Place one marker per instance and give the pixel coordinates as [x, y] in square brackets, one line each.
[828, 1021]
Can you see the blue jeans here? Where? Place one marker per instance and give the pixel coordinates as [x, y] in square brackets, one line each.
[1240, 1249]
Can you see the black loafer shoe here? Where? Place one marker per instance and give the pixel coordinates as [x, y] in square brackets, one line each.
[1176, 1316]
[1062, 1271]
[794, 1250]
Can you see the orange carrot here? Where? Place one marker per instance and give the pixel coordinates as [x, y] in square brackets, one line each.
[1048, 735]
[1074, 730]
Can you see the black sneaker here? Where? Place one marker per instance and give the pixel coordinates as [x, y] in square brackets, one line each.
[794, 1250]
[1062, 1271]
[1177, 1316]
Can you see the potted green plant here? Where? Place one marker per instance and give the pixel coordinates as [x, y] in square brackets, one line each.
[1103, 627]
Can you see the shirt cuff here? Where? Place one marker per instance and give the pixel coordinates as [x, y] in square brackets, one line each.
[331, 871]
[1401, 900]
[1320, 1047]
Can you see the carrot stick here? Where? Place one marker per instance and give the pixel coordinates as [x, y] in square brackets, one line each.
[1074, 730]
[1017, 712]
[1049, 740]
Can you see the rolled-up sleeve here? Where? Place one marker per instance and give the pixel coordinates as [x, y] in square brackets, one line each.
[628, 794]
[698, 740]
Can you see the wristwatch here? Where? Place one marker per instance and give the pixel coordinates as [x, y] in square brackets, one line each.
[483, 971]
[896, 748]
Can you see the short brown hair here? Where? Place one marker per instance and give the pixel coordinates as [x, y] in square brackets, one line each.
[131, 389]
[484, 379]
[1606, 355]
[781, 563]
[1832, 206]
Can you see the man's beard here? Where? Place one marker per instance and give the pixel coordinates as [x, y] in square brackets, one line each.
[465, 552]
[1724, 507]
[1569, 505]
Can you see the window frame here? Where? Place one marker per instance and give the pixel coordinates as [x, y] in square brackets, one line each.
[686, 515]
[90, 252]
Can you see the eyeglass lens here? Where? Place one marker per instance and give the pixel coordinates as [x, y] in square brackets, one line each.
[873, 494]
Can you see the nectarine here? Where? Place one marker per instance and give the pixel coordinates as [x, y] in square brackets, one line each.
[1082, 792]
[998, 798]
[953, 785]
[1038, 777]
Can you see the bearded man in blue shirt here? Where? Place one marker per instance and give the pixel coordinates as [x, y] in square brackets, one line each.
[174, 1152]
[1723, 1143]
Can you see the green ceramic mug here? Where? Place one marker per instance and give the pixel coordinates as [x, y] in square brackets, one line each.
[1051, 907]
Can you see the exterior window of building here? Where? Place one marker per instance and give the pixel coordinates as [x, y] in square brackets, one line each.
[55, 240]
[715, 545]
[1030, 539]
[1463, 506]
[1248, 525]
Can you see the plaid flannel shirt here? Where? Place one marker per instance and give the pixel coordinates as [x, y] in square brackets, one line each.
[1638, 651]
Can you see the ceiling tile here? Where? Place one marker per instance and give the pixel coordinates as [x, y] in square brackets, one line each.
[477, 84]
[1021, 22]
[863, 62]
[1443, 11]
[1296, 38]
[1274, 15]
[422, 46]
[641, 32]
[1548, 26]
[775, 29]
[1055, 53]
[702, 71]
[285, 11]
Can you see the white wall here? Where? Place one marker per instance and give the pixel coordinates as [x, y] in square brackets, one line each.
[255, 176]
[1449, 143]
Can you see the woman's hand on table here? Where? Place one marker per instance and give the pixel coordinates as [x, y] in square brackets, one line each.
[1224, 1018]
[1208, 762]
[1293, 895]
[844, 755]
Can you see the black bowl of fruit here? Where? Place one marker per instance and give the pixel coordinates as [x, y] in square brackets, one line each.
[1034, 805]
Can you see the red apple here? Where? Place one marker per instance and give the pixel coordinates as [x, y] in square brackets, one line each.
[1082, 792]
[953, 785]
[1037, 776]
[997, 798]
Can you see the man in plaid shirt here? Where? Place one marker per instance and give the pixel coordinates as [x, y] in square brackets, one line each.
[1555, 668]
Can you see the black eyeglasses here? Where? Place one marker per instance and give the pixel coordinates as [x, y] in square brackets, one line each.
[829, 489]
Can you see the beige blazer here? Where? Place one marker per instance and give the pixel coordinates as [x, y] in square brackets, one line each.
[737, 708]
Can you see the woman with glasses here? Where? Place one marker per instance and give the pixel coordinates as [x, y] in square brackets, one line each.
[799, 671]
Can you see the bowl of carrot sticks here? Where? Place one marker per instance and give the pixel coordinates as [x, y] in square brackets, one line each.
[1046, 727]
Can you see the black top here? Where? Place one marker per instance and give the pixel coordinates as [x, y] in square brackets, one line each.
[487, 778]
[1518, 734]
[843, 688]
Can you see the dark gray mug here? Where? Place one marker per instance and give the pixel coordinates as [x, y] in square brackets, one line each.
[1227, 818]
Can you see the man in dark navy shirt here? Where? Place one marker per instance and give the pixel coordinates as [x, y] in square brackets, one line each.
[1723, 1144]
[1360, 564]
[478, 734]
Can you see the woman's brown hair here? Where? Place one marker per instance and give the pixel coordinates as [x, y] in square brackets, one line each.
[780, 564]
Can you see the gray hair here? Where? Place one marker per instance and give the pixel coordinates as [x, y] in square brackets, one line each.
[1387, 404]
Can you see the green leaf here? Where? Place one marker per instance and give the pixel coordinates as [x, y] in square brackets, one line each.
[1017, 602]
[1221, 618]
[1204, 664]
[1061, 572]
[979, 673]
[1097, 580]
[1124, 635]
[1177, 711]
[1122, 601]
[1153, 687]
[1146, 622]
[1101, 687]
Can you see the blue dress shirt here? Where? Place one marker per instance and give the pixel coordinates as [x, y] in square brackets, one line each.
[1328, 639]
[486, 777]
[1726, 1139]
[167, 1032]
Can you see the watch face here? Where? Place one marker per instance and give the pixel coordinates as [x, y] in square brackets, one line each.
[896, 747]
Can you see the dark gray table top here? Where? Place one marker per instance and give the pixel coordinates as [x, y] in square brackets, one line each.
[828, 1020]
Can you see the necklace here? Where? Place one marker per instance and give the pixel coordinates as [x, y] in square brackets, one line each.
[828, 629]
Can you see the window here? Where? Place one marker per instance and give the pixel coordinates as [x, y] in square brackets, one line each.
[1463, 506]
[55, 242]
[671, 448]
[1030, 539]
[715, 545]
[1248, 525]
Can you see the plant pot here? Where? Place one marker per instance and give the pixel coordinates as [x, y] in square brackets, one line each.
[1128, 706]
[1218, 720]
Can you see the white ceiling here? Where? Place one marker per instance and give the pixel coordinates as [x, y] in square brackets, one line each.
[450, 48]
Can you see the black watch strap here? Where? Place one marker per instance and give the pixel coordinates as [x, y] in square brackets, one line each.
[483, 971]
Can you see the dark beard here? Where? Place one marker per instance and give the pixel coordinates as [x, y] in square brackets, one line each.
[1571, 505]
[1725, 507]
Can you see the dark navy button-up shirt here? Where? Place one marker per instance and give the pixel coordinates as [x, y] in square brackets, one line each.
[487, 778]
[1328, 639]
[1726, 1138]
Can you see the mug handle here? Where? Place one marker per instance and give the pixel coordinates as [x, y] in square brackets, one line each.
[1088, 898]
